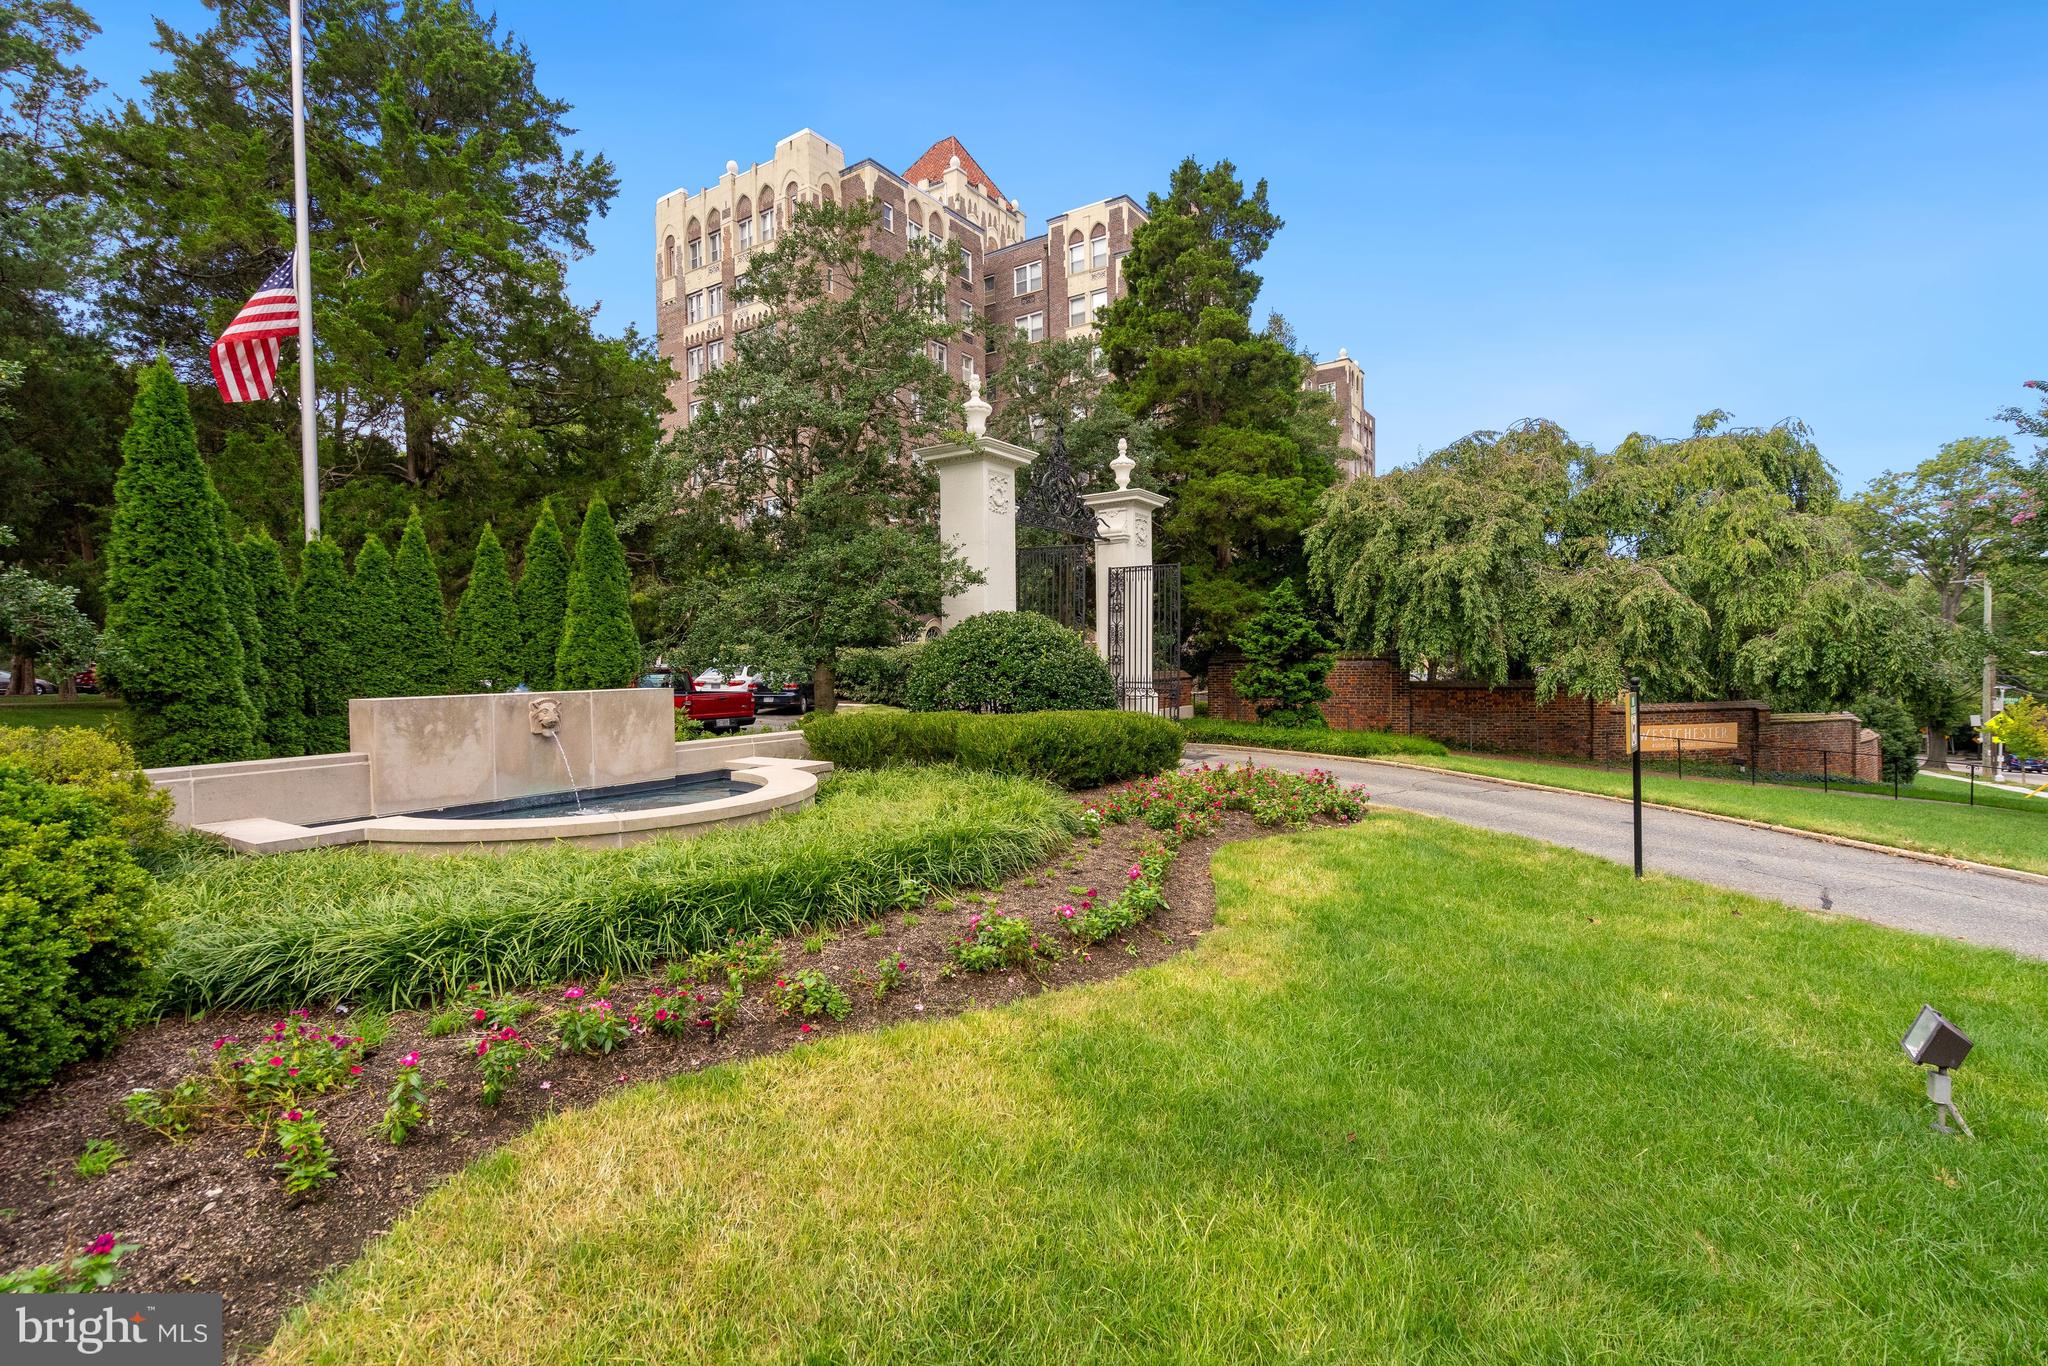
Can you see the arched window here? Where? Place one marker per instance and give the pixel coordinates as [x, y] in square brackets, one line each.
[668, 256]
[825, 192]
[1098, 248]
[694, 246]
[743, 224]
[1077, 253]
[766, 201]
[714, 238]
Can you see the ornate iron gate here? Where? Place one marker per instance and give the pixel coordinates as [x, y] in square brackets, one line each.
[1053, 580]
[1144, 639]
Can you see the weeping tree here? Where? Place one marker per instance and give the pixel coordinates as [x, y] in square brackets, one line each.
[1713, 566]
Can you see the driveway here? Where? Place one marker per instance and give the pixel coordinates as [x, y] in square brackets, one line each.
[1906, 894]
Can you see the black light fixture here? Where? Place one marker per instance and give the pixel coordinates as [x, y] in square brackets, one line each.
[1934, 1043]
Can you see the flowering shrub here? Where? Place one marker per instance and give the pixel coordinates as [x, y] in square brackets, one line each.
[499, 1056]
[591, 1028]
[486, 1011]
[704, 1008]
[890, 974]
[741, 960]
[173, 1111]
[293, 1059]
[1188, 804]
[93, 1269]
[405, 1108]
[1142, 895]
[307, 1159]
[999, 941]
[809, 993]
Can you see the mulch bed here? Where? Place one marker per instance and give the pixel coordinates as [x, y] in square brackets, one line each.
[209, 1216]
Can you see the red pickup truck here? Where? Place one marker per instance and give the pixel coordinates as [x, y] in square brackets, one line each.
[712, 710]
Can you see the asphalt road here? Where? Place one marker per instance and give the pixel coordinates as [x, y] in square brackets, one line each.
[1907, 894]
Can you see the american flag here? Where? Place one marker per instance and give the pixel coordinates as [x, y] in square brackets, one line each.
[245, 356]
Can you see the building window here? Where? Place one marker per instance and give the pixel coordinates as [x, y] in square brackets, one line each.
[888, 218]
[966, 367]
[717, 237]
[693, 307]
[1098, 250]
[913, 230]
[714, 300]
[1032, 327]
[767, 225]
[714, 354]
[988, 284]
[696, 252]
[966, 314]
[1077, 310]
[939, 353]
[1329, 388]
[668, 256]
[746, 233]
[1077, 258]
[696, 407]
[1097, 301]
[695, 368]
[1028, 278]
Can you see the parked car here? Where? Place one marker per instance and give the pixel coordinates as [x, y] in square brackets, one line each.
[87, 681]
[770, 694]
[43, 685]
[713, 709]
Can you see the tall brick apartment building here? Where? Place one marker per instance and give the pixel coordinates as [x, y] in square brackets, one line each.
[1052, 285]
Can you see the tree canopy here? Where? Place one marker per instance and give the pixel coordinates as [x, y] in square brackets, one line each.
[1243, 449]
[787, 524]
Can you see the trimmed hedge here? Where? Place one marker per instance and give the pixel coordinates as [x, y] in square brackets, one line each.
[296, 929]
[1075, 749]
[1009, 662]
[1343, 744]
[879, 675]
[76, 932]
[105, 770]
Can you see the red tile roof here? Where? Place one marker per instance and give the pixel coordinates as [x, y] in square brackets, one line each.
[932, 165]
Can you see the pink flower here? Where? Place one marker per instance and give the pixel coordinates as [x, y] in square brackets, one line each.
[479, 1014]
[803, 1029]
[355, 1071]
[573, 994]
[622, 1076]
[294, 1116]
[101, 1246]
[661, 1017]
[411, 1059]
[547, 1086]
[291, 1071]
[276, 1061]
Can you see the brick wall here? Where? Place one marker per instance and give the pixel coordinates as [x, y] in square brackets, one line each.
[1375, 694]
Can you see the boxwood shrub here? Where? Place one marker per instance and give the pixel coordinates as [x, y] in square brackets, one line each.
[1348, 744]
[76, 931]
[1008, 662]
[881, 675]
[1072, 748]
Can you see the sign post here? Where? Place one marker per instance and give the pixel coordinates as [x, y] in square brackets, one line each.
[1633, 699]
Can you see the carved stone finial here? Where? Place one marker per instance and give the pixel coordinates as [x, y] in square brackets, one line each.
[1123, 464]
[977, 408]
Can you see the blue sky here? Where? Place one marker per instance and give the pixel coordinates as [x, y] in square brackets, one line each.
[1616, 217]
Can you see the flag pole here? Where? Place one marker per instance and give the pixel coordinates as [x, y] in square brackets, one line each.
[309, 435]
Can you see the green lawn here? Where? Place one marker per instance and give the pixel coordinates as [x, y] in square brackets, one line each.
[2004, 836]
[1427, 1093]
[44, 712]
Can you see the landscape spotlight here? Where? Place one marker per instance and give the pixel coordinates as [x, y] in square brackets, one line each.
[1934, 1042]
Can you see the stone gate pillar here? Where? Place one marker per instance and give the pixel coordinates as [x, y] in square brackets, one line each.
[978, 510]
[1125, 540]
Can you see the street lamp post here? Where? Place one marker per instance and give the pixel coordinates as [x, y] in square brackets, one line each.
[1986, 746]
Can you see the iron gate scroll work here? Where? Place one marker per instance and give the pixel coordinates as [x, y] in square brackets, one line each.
[1054, 580]
[1144, 638]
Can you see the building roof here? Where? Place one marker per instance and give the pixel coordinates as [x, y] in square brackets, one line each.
[932, 165]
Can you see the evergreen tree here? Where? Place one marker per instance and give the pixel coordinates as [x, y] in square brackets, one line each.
[487, 645]
[1243, 449]
[283, 716]
[543, 598]
[600, 648]
[234, 576]
[325, 608]
[1287, 657]
[378, 672]
[420, 617]
[179, 660]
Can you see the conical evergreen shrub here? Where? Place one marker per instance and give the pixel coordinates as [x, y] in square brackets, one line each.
[234, 576]
[325, 607]
[600, 648]
[374, 607]
[420, 616]
[282, 715]
[176, 656]
[487, 646]
[543, 598]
